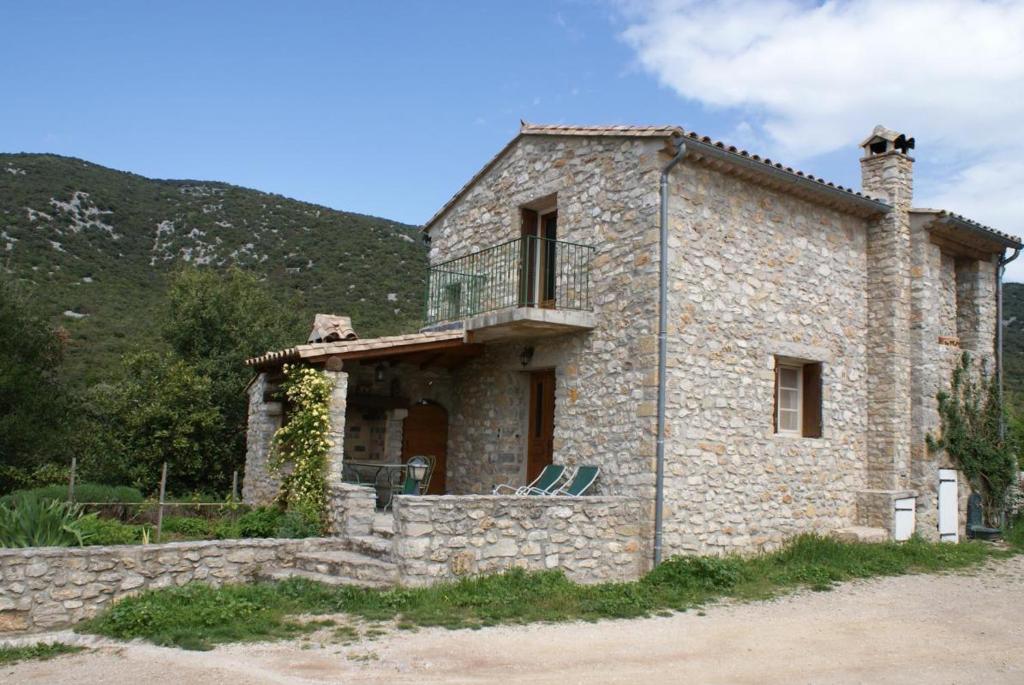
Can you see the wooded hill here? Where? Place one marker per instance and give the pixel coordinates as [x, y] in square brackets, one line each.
[94, 246]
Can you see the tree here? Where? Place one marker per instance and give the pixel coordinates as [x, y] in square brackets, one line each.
[33, 402]
[187, 405]
[970, 415]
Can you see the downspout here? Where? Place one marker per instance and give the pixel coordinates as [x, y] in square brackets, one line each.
[1003, 261]
[659, 480]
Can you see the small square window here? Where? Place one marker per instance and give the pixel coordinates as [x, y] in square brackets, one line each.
[798, 399]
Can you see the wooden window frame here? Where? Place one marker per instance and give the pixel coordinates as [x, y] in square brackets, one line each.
[780, 366]
[809, 400]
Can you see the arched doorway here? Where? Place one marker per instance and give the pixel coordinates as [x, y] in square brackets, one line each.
[425, 431]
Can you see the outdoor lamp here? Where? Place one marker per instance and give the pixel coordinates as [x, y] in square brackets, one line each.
[417, 468]
[526, 356]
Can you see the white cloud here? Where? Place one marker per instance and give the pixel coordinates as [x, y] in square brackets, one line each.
[809, 78]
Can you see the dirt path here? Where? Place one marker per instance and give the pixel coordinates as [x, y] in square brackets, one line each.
[911, 629]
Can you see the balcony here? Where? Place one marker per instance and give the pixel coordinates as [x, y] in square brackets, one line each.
[526, 287]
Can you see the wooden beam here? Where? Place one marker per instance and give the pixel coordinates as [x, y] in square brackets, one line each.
[958, 249]
[367, 401]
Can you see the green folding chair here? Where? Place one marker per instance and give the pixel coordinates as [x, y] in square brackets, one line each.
[543, 484]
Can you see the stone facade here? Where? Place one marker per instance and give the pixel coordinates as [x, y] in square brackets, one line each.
[758, 275]
[606, 193]
[50, 587]
[591, 539]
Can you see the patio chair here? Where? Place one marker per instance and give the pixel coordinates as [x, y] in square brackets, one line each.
[410, 486]
[580, 482]
[431, 464]
[548, 480]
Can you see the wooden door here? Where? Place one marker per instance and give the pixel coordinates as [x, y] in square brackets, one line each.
[425, 432]
[540, 446]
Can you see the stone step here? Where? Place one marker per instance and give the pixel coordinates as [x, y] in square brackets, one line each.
[374, 546]
[346, 564]
[861, 534]
[277, 574]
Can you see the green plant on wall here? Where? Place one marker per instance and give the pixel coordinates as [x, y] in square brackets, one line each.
[303, 442]
[971, 414]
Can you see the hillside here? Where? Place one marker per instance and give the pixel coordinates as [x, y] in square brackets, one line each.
[1013, 340]
[95, 245]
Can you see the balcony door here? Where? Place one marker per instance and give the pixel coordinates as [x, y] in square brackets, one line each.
[540, 231]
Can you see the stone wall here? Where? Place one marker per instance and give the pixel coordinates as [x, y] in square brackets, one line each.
[50, 587]
[591, 539]
[606, 192]
[259, 483]
[757, 274]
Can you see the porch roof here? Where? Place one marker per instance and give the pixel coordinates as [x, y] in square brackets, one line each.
[432, 347]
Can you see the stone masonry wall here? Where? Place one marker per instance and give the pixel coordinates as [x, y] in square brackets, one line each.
[606, 191]
[259, 483]
[50, 587]
[591, 539]
[758, 274]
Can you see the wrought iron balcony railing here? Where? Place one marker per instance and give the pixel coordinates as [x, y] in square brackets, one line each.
[525, 272]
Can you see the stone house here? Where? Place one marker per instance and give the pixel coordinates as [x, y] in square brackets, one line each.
[592, 284]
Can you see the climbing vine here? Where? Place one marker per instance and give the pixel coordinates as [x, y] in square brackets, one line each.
[303, 442]
[970, 415]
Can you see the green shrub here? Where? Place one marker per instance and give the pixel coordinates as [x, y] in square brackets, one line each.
[33, 522]
[84, 492]
[295, 524]
[105, 531]
[698, 573]
[187, 526]
[262, 522]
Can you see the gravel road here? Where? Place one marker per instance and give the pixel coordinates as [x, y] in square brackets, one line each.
[911, 629]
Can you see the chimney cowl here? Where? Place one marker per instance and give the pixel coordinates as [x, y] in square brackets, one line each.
[884, 140]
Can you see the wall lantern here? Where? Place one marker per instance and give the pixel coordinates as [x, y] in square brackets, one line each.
[378, 373]
[417, 468]
[526, 356]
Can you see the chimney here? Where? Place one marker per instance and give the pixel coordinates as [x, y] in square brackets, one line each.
[886, 170]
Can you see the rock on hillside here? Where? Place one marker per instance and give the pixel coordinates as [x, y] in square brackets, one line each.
[97, 245]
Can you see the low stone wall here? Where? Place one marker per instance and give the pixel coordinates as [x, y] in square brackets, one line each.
[48, 587]
[590, 538]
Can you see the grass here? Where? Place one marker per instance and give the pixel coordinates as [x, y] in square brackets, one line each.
[198, 616]
[38, 651]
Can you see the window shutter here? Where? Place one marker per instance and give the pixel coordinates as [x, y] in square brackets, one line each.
[775, 400]
[812, 401]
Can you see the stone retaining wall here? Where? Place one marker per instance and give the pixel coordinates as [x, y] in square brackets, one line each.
[590, 538]
[48, 587]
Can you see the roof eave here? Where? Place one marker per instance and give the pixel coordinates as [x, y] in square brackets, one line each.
[860, 203]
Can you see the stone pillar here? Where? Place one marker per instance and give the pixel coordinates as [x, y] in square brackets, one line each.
[976, 308]
[336, 414]
[393, 435]
[260, 484]
[887, 173]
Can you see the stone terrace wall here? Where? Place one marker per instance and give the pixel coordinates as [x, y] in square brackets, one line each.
[44, 588]
[590, 538]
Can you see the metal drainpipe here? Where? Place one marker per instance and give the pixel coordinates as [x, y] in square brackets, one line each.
[1003, 261]
[659, 481]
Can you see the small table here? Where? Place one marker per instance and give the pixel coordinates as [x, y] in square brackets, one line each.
[386, 476]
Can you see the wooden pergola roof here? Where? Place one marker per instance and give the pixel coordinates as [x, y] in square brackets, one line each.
[442, 348]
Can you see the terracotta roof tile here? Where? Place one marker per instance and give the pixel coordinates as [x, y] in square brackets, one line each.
[528, 129]
[343, 347]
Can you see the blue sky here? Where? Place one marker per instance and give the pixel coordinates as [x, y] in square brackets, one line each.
[387, 108]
